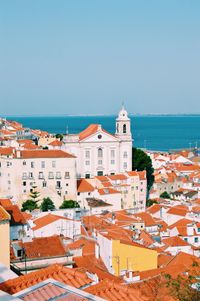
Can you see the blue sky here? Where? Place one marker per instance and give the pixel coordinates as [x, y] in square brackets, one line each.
[86, 57]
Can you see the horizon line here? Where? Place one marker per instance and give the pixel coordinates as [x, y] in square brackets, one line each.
[100, 115]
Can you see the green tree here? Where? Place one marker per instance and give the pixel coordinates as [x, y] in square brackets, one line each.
[69, 204]
[141, 161]
[59, 136]
[34, 195]
[165, 195]
[47, 204]
[29, 205]
[150, 202]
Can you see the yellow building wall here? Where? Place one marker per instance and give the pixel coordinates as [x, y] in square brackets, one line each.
[5, 243]
[128, 257]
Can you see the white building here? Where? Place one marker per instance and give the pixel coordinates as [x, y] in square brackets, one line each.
[53, 172]
[99, 152]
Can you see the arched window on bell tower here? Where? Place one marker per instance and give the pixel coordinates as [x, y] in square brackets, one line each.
[124, 128]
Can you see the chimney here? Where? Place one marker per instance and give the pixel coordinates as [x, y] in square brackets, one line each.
[18, 154]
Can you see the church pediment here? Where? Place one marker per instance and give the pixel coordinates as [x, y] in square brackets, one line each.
[98, 135]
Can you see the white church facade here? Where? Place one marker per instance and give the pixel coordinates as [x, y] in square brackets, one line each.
[99, 152]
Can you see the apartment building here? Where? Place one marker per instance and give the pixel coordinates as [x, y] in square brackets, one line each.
[53, 172]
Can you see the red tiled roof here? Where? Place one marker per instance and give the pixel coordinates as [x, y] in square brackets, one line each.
[117, 177]
[142, 174]
[16, 215]
[178, 211]
[87, 246]
[46, 220]
[95, 266]
[29, 154]
[154, 208]
[5, 202]
[4, 216]
[107, 190]
[6, 151]
[175, 241]
[112, 291]
[56, 143]
[44, 247]
[90, 130]
[147, 218]
[65, 275]
[84, 186]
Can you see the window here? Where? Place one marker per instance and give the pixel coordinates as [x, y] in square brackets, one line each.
[19, 253]
[24, 175]
[87, 154]
[41, 176]
[198, 229]
[112, 153]
[125, 165]
[58, 175]
[87, 162]
[54, 164]
[78, 193]
[185, 239]
[196, 239]
[87, 175]
[100, 162]
[112, 162]
[30, 175]
[124, 128]
[51, 175]
[100, 152]
[99, 173]
[67, 175]
[24, 183]
[24, 163]
[32, 164]
[58, 184]
[43, 164]
[125, 155]
[44, 184]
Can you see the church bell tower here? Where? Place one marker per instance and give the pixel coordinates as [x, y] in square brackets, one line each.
[123, 125]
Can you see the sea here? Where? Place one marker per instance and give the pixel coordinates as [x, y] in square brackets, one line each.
[152, 132]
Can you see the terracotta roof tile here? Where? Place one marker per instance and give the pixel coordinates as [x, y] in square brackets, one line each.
[29, 154]
[65, 275]
[84, 186]
[175, 241]
[112, 291]
[4, 216]
[17, 217]
[5, 202]
[44, 247]
[46, 220]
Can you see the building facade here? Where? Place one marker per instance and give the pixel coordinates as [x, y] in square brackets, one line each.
[52, 172]
[99, 152]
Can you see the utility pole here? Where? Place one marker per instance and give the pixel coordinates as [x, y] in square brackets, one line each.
[24, 257]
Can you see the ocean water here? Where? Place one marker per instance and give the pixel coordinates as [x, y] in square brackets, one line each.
[151, 132]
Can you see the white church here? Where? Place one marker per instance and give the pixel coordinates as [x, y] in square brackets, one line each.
[101, 153]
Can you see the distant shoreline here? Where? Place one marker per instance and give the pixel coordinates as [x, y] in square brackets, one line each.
[99, 115]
